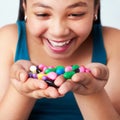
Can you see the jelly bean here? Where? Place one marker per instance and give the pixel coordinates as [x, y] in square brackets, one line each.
[33, 69]
[49, 70]
[41, 66]
[30, 75]
[52, 75]
[60, 71]
[59, 67]
[40, 75]
[82, 69]
[69, 74]
[38, 70]
[34, 75]
[51, 83]
[68, 68]
[74, 67]
[44, 78]
[45, 67]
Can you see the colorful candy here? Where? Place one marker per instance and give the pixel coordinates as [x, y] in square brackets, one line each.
[50, 73]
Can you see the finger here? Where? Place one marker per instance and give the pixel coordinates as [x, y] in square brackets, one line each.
[66, 87]
[59, 80]
[49, 92]
[19, 73]
[34, 84]
[29, 85]
[52, 92]
[82, 78]
[99, 71]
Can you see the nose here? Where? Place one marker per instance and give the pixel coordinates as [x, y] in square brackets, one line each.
[59, 28]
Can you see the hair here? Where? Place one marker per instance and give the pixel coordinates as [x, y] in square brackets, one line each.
[21, 14]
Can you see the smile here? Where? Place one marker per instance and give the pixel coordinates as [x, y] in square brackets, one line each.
[59, 44]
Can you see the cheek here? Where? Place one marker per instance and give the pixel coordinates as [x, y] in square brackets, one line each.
[36, 28]
[83, 29]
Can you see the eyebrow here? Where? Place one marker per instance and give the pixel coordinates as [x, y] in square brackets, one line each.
[78, 4]
[41, 5]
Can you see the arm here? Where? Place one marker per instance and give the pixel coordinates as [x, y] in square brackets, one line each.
[105, 105]
[18, 92]
[13, 106]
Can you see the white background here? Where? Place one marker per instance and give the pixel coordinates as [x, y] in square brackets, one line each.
[110, 12]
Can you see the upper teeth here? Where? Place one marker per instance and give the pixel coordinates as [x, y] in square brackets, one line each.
[58, 44]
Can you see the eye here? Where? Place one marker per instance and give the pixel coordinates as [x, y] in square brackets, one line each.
[76, 14]
[43, 15]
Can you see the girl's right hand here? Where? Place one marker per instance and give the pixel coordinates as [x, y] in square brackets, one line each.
[28, 86]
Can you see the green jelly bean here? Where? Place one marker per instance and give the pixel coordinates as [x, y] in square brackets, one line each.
[60, 67]
[75, 67]
[69, 74]
[50, 70]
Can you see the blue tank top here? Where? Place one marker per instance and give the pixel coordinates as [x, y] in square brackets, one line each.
[64, 108]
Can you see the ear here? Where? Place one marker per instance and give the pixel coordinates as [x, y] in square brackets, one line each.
[24, 7]
[97, 7]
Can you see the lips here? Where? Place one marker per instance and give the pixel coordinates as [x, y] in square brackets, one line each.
[58, 46]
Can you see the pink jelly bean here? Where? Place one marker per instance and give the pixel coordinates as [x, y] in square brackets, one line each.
[68, 68]
[45, 67]
[82, 69]
[52, 75]
[41, 66]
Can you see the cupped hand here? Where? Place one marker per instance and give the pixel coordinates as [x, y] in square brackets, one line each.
[28, 86]
[85, 83]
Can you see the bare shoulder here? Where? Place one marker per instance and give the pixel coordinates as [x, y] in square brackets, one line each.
[111, 40]
[111, 34]
[8, 36]
[8, 31]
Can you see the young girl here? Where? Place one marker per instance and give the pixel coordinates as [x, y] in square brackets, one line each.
[53, 33]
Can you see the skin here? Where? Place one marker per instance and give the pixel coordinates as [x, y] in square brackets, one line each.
[51, 21]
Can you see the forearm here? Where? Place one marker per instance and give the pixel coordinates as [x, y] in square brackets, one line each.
[97, 107]
[15, 106]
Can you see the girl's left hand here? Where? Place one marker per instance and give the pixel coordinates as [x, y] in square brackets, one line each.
[85, 83]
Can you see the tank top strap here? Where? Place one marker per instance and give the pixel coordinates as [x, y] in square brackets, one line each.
[21, 48]
[99, 52]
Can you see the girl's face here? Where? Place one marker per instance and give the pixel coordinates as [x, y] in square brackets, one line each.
[60, 26]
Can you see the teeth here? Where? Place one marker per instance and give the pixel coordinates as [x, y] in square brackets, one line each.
[58, 44]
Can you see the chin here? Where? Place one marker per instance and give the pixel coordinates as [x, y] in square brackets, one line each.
[60, 56]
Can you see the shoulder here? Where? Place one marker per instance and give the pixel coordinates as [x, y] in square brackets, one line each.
[111, 38]
[8, 31]
[8, 37]
[111, 33]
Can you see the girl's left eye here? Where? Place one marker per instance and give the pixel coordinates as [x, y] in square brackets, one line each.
[76, 14]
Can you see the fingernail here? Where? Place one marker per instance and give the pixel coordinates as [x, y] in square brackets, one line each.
[22, 77]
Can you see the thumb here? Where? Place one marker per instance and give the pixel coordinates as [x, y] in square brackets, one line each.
[19, 70]
[99, 71]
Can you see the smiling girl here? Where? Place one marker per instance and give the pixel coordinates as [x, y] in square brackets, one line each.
[53, 33]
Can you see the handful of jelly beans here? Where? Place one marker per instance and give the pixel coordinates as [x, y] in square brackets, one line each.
[50, 73]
